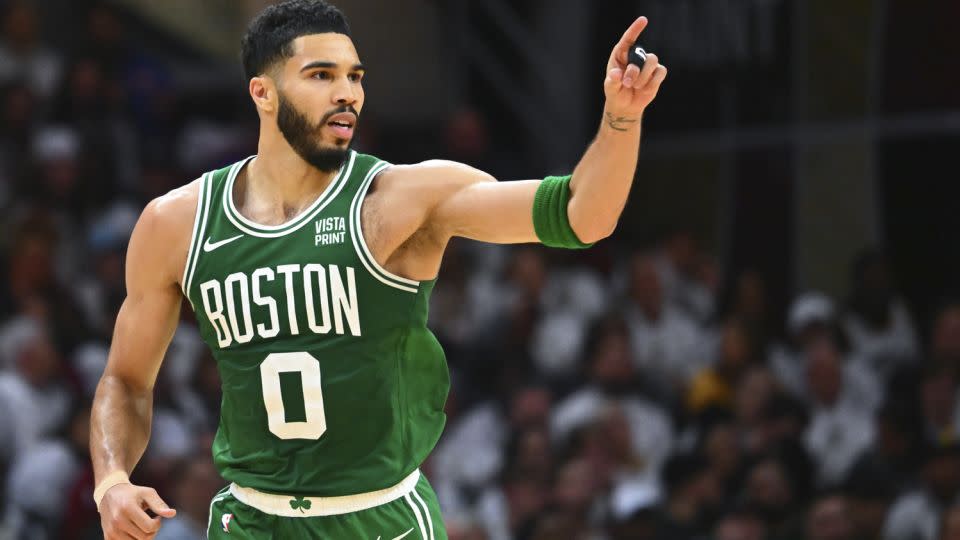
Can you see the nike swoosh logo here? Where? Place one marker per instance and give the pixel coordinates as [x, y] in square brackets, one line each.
[402, 535]
[210, 246]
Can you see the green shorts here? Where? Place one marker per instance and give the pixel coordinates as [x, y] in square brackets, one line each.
[407, 511]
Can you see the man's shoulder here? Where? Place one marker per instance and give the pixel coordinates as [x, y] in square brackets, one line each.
[436, 176]
[175, 209]
[161, 239]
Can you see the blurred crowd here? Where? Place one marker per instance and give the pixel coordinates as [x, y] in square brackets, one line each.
[630, 397]
[624, 392]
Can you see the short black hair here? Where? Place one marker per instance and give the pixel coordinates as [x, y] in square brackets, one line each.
[270, 34]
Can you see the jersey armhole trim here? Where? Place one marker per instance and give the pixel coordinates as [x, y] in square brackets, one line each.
[193, 235]
[199, 228]
[360, 244]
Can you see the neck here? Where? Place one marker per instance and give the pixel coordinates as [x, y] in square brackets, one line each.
[280, 178]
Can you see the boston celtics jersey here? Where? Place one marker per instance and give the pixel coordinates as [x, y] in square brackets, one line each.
[332, 383]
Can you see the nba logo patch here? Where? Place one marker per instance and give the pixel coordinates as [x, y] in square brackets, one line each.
[225, 520]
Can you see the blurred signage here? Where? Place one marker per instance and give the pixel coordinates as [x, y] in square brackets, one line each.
[710, 34]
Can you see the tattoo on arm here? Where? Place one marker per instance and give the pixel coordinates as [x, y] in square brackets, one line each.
[620, 123]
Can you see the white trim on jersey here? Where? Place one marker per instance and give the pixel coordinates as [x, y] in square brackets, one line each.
[205, 194]
[281, 505]
[360, 244]
[193, 235]
[274, 231]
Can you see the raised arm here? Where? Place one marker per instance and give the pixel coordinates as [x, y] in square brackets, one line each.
[470, 203]
[601, 182]
[123, 405]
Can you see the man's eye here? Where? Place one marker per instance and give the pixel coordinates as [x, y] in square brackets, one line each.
[355, 77]
[322, 75]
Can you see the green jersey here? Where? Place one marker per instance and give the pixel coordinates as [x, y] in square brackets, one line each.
[332, 383]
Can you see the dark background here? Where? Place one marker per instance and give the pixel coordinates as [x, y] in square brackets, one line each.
[791, 139]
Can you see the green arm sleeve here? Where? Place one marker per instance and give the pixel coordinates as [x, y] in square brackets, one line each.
[550, 219]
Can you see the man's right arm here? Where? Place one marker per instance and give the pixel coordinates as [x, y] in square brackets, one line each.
[123, 405]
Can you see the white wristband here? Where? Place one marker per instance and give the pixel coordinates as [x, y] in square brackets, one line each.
[112, 479]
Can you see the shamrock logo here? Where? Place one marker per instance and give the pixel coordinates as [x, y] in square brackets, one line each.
[300, 503]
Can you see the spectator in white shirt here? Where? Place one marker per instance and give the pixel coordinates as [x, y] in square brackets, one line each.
[613, 381]
[34, 387]
[40, 479]
[667, 345]
[472, 450]
[23, 56]
[877, 323]
[811, 319]
[811, 316]
[840, 426]
[688, 281]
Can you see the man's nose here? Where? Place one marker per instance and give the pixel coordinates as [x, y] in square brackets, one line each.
[344, 93]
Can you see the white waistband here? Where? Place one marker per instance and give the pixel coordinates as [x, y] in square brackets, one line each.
[293, 506]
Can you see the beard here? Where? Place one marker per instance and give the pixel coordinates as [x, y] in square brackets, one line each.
[304, 138]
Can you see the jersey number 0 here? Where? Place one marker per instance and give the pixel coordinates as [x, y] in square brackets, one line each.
[309, 369]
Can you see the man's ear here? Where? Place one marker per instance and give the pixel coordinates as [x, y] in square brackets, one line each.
[263, 91]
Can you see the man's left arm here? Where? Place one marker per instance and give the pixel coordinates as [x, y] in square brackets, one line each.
[474, 205]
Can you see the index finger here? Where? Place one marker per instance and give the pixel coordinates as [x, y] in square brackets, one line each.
[628, 39]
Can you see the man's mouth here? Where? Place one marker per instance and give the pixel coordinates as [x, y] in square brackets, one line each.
[342, 124]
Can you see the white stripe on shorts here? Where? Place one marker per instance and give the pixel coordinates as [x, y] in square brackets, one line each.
[426, 511]
[416, 512]
[221, 495]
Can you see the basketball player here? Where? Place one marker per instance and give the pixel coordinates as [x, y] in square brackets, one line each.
[309, 267]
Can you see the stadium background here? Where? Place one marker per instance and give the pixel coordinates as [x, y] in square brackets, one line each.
[768, 347]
